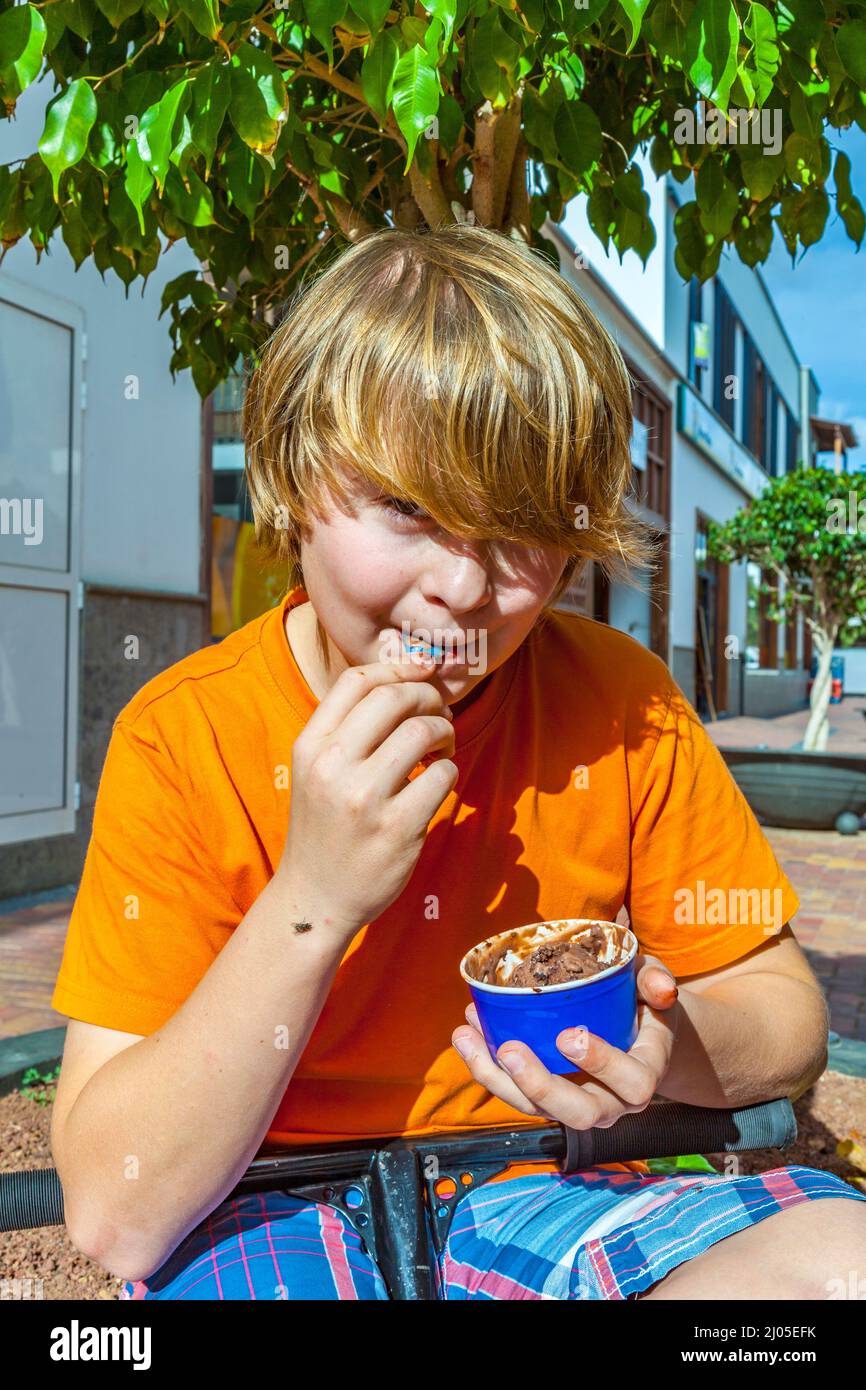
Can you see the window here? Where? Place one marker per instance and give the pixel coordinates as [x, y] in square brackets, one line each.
[792, 442]
[723, 399]
[652, 423]
[755, 383]
[771, 431]
[697, 348]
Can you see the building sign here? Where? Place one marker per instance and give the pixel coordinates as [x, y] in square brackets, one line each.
[639, 445]
[703, 427]
[701, 344]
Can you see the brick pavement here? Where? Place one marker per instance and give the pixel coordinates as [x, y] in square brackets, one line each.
[828, 872]
[847, 729]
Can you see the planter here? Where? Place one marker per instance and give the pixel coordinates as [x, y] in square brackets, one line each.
[799, 791]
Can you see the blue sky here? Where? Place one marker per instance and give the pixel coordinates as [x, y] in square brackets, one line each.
[822, 302]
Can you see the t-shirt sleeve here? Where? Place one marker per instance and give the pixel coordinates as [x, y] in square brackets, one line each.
[151, 913]
[705, 886]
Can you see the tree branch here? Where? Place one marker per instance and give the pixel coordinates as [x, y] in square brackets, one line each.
[429, 193]
[519, 220]
[496, 137]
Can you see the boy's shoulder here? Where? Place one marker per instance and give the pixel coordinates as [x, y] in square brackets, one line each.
[606, 655]
[212, 667]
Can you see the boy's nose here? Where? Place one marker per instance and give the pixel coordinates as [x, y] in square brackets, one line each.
[459, 583]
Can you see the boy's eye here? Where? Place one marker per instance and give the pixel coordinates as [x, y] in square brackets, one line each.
[400, 507]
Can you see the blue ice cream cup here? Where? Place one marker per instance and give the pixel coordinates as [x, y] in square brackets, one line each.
[605, 1003]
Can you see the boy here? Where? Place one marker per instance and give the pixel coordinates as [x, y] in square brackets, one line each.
[301, 831]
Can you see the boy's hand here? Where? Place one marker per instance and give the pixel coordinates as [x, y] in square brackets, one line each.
[356, 826]
[612, 1083]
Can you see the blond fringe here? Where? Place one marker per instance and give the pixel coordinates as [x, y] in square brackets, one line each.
[457, 369]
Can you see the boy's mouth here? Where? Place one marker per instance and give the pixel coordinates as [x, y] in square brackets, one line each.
[418, 644]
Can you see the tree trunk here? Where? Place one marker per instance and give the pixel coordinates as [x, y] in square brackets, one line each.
[818, 727]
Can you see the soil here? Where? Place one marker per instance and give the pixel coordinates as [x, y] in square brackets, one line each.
[832, 1111]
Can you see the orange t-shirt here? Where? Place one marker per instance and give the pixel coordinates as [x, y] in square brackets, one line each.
[587, 782]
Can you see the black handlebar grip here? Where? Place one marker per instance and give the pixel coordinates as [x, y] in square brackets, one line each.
[30, 1198]
[671, 1128]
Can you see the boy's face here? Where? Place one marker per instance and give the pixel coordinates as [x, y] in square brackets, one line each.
[373, 573]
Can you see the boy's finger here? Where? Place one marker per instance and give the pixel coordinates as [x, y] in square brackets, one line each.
[473, 1049]
[353, 684]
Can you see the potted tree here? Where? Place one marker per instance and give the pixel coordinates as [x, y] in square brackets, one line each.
[809, 529]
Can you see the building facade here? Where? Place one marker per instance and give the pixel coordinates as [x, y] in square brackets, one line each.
[722, 405]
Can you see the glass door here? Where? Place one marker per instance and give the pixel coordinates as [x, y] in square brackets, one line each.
[40, 415]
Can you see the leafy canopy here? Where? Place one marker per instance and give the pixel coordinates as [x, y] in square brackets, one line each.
[808, 527]
[266, 134]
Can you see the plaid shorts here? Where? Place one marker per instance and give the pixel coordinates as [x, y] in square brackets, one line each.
[592, 1235]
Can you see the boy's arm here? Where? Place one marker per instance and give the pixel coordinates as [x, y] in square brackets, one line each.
[163, 1130]
[751, 1031]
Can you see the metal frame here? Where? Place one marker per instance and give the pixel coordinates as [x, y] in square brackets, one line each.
[30, 825]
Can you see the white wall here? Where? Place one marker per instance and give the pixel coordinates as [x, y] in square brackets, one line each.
[140, 517]
[698, 486]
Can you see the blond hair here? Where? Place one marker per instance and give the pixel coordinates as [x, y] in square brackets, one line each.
[458, 370]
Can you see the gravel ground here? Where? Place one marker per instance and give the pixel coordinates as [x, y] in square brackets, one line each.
[833, 1111]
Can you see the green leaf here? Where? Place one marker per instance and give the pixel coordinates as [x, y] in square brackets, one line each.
[446, 13]
[372, 12]
[193, 204]
[851, 47]
[800, 24]
[22, 40]
[259, 100]
[450, 122]
[244, 177]
[804, 159]
[116, 11]
[717, 198]
[203, 15]
[377, 74]
[322, 15]
[415, 97]
[538, 124]
[812, 216]
[576, 18]
[138, 180]
[494, 57]
[763, 61]
[155, 137]
[211, 91]
[761, 172]
[634, 12]
[77, 15]
[68, 122]
[578, 133]
[848, 207]
[712, 35]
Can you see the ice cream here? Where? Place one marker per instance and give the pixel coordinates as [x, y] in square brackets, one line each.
[549, 953]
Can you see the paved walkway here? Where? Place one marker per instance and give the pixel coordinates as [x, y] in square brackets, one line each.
[847, 729]
[828, 872]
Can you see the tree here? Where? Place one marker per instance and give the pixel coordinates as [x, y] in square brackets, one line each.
[266, 134]
[812, 535]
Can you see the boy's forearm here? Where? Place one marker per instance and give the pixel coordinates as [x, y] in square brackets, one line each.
[164, 1130]
[758, 1037]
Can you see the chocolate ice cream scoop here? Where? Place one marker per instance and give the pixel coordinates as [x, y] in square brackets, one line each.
[554, 965]
[548, 953]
